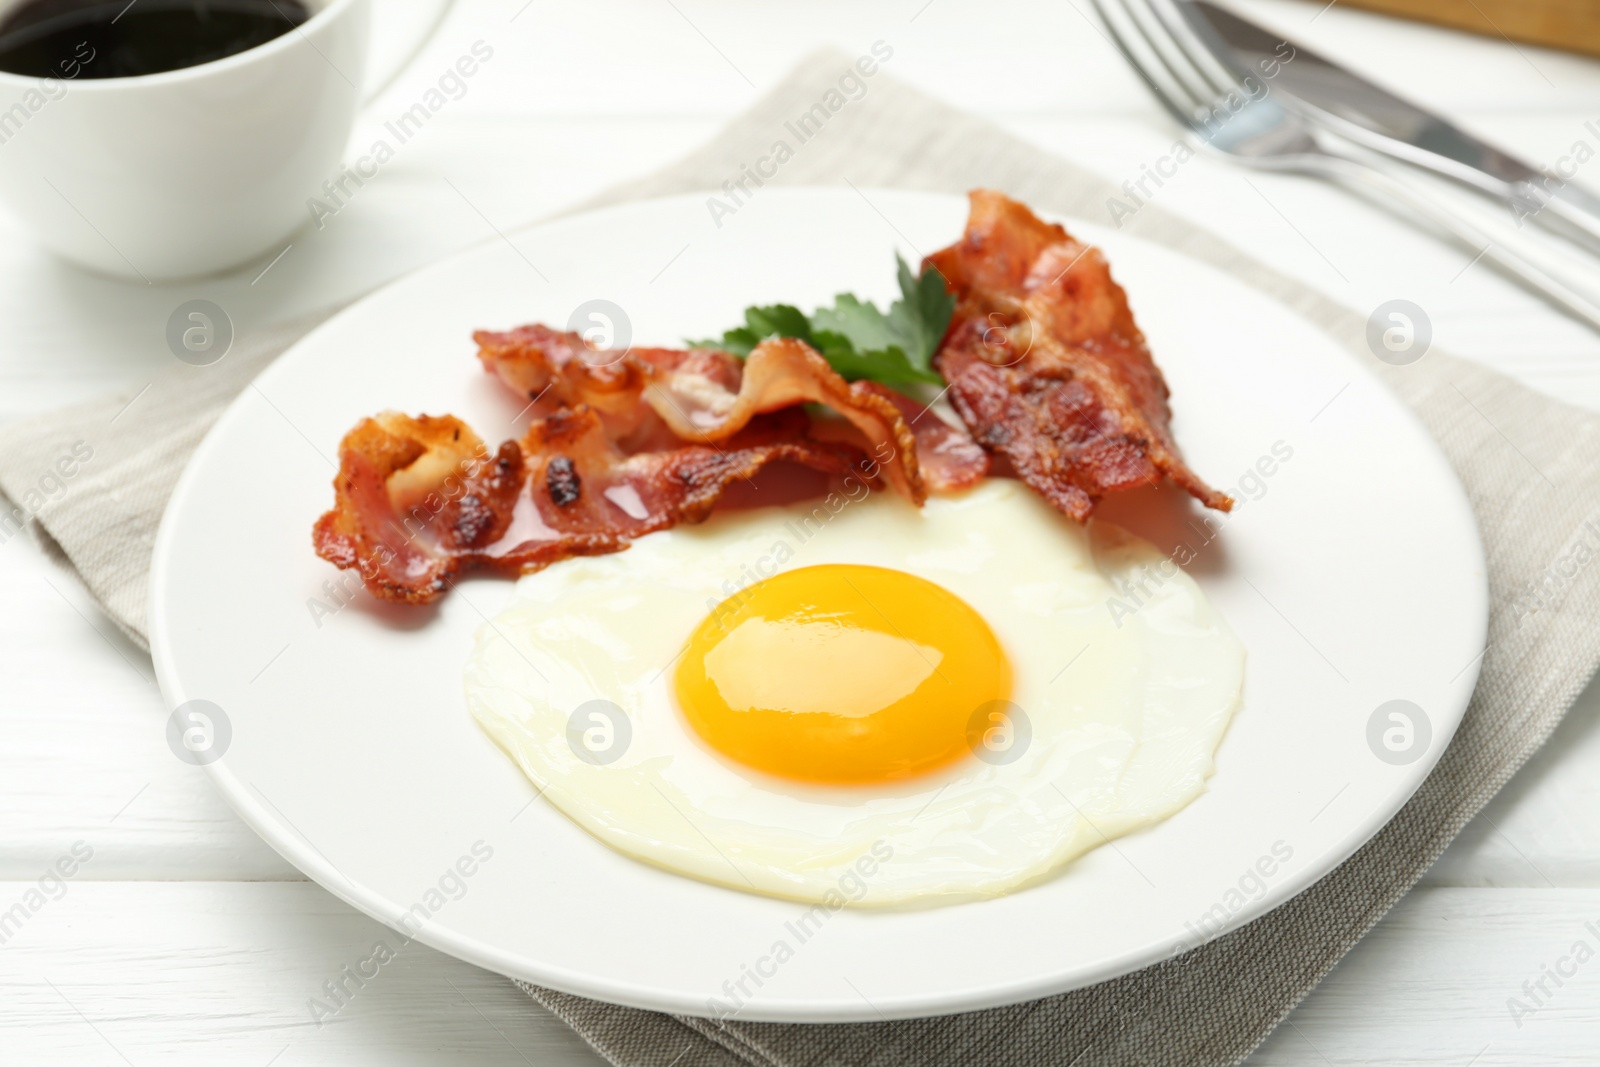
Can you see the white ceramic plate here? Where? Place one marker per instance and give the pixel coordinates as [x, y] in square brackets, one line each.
[1353, 574]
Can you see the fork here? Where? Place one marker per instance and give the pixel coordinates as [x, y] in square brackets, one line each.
[1194, 86]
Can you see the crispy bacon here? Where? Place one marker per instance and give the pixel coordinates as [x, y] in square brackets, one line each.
[419, 500]
[948, 456]
[1047, 367]
[1045, 364]
[555, 370]
[697, 394]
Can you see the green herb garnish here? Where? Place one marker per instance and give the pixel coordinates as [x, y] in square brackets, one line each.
[857, 339]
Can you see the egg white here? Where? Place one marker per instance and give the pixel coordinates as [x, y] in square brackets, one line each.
[1125, 709]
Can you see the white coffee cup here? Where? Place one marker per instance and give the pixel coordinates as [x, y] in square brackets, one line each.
[190, 171]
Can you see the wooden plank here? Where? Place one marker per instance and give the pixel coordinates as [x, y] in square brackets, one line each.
[239, 973]
[709, 57]
[1573, 25]
[1441, 981]
[223, 973]
[86, 757]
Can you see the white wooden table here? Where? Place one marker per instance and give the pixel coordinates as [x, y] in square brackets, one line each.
[185, 939]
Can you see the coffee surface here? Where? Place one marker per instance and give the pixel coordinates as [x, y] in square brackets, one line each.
[95, 39]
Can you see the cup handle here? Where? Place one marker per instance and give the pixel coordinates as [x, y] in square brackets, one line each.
[414, 50]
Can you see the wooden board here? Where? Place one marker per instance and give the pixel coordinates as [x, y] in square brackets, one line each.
[1572, 25]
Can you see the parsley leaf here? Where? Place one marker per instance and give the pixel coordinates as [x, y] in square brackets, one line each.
[858, 340]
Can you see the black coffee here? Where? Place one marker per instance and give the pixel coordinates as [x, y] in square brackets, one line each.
[99, 39]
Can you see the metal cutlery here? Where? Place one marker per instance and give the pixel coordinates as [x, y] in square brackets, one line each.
[1251, 126]
[1375, 118]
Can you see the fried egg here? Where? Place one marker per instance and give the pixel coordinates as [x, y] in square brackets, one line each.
[972, 694]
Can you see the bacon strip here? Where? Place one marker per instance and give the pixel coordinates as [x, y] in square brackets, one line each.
[555, 369]
[948, 456]
[1044, 361]
[697, 394]
[419, 500]
[1047, 367]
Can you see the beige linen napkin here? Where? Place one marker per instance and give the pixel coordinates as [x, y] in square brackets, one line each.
[1531, 467]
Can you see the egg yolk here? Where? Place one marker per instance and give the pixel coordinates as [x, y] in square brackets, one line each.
[841, 673]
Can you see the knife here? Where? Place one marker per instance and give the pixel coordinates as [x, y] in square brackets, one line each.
[1375, 118]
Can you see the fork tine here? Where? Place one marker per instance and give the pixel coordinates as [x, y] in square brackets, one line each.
[1193, 46]
[1177, 102]
[1162, 43]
